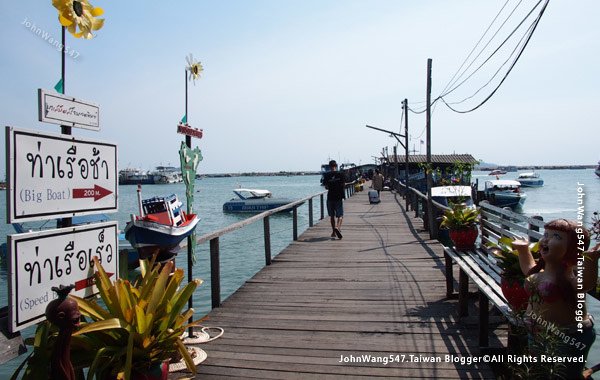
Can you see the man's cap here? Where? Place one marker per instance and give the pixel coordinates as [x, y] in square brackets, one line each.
[332, 163]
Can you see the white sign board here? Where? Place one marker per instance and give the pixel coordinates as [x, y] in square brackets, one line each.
[54, 176]
[57, 108]
[43, 259]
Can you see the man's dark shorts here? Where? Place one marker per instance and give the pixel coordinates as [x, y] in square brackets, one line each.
[335, 208]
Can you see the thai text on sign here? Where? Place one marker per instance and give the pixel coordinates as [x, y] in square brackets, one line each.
[52, 176]
[43, 259]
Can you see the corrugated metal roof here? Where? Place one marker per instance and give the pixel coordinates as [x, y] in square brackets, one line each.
[436, 158]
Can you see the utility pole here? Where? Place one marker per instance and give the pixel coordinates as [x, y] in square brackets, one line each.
[406, 151]
[430, 220]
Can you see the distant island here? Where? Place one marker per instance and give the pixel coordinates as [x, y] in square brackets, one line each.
[258, 174]
[481, 167]
[514, 168]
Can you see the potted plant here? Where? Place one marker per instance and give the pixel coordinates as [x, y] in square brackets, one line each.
[512, 278]
[139, 327]
[461, 223]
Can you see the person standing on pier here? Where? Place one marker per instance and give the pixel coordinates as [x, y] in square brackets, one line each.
[335, 183]
[377, 181]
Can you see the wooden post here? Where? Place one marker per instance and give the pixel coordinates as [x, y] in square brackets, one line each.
[428, 127]
[449, 276]
[215, 273]
[295, 223]
[322, 197]
[463, 294]
[310, 212]
[406, 150]
[484, 320]
[267, 236]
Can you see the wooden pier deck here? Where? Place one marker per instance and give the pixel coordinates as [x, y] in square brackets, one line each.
[380, 291]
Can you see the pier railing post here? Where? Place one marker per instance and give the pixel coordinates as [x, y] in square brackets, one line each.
[267, 233]
[310, 212]
[295, 223]
[215, 273]
[322, 197]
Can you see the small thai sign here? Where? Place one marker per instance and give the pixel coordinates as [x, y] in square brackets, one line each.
[43, 259]
[59, 109]
[55, 176]
[185, 129]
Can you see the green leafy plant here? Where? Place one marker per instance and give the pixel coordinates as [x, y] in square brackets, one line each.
[140, 325]
[37, 362]
[507, 258]
[459, 216]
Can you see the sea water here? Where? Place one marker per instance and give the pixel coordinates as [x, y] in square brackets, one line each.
[242, 251]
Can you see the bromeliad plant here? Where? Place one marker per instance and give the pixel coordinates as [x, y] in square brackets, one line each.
[507, 258]
[141, 324]
[459, 216]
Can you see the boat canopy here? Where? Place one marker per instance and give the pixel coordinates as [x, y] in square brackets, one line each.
[252, 193]
[502, 183]
[528, 175]
[451, 191]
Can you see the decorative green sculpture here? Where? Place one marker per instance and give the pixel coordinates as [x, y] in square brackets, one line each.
[189, 158]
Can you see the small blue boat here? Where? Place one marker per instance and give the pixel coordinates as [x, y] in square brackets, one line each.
[254, 200]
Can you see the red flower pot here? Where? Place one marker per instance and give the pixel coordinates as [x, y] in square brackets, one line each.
[156, 372]
[464, 239]
[515, 294]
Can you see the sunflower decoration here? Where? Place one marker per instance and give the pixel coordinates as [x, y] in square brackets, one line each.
[194, 67]
[74, 14]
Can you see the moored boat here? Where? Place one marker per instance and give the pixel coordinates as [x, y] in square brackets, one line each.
[166, 174]
[134, 176]
[254, 200]
[160, 227]
[530, 179]
[497, 172]
[449, 195]
[504, 193]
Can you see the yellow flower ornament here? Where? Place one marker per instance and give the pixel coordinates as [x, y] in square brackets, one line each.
[194, 67]
[74, 14]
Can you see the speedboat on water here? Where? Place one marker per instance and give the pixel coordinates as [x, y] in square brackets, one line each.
[504, 193]
[254, 200]
[530, 179]
[497, 172]
[597, 171]
[160, 227]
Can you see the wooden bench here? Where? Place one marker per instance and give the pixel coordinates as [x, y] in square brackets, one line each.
[480, 267]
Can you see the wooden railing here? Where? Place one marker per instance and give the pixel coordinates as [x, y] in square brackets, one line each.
[417, 202]
[213, 237]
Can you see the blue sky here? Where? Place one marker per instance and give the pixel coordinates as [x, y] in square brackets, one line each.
[289, 84]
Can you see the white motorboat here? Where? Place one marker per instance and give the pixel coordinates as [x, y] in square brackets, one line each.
[254, 200]
[530, 179]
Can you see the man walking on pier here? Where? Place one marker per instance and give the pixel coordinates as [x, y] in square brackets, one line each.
[335, 183]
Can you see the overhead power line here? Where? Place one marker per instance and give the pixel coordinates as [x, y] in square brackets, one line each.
[531, 30]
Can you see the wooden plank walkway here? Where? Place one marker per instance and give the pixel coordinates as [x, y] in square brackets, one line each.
[379, 291]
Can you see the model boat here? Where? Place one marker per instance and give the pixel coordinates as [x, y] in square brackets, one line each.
[160, 227]
[254, 200]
